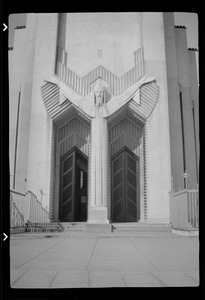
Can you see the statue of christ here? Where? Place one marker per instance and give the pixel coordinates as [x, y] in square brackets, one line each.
[99, 148]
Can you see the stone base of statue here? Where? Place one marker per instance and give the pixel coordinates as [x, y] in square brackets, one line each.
[98, 228]
[97, 221]
[98, 215]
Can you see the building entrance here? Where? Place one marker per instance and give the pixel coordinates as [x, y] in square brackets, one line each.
[125, 204]
[73, 187]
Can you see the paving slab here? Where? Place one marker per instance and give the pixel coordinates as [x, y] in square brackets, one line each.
[67, 279]
[25, 251]
[16, 274]
[103, 261]
[107, 264]
[174, 278]
[77, 264]
[170, 254]
[116, 255]
[140, 279]
[193, 275]
[114, 234]
[105, 279]
[35, 279]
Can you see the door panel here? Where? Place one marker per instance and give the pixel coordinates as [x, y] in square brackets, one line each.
[118, 205]
[131, 163]
[73, 187]
[131, 188]
[125, 187]
[81, 188]
[131, 177]
[67, 188]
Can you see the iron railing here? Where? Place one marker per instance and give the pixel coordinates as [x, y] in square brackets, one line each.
[193, 208]
[16, 218]
[184, 209]
[26, 207]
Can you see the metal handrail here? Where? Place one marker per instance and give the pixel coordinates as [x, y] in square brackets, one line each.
[15, 209]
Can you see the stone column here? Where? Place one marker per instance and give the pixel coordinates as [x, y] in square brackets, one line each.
[99, 162]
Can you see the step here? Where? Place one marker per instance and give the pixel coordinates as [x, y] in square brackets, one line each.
[98, 228]
[141, 227]
[140, 224]
[73, 226]
[137, 227]
[17, 230]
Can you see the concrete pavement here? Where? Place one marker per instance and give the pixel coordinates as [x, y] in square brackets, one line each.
[80, 260]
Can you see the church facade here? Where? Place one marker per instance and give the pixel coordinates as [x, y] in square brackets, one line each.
[103, 114]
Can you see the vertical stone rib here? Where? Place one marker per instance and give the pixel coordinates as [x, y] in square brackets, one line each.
[65, 63]
[80, 89]
[108, 176]
[97, 73]
[103, 73]
[106, 75]
[145, 173]
[78, 85]
[66, 75]
[82, 85]
[85, 86]
[143, 64]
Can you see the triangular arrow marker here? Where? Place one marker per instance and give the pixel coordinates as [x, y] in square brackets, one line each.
[6, 236]
[5, 27]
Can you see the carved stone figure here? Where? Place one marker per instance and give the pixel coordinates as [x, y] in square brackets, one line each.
[99, 95]
[99, 149]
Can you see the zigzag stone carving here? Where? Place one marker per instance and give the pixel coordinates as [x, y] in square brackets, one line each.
[84, 85]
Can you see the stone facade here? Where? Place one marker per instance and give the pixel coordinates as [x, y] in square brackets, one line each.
[142, 64]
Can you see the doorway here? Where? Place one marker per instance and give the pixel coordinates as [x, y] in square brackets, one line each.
[73, 186]
[125, 203]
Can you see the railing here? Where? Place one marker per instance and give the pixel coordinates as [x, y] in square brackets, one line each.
[26, 207]
[16, 218]
[37, 212]
[193, 209]
[44, 227]
[184, 210]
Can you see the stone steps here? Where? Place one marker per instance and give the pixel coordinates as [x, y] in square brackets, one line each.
[142, 227]
[119, 227]
[114, 229]
[73, 226]
[17, 230]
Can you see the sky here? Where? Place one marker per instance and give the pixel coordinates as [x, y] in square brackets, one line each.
[190, 20]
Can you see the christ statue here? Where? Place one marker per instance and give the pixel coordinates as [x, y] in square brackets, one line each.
[99, 148]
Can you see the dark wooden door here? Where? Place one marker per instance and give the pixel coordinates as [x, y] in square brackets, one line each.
[73, 187]
[125, 187]
[67, 193]
[81, 188]
[118, 178]
[131, 187]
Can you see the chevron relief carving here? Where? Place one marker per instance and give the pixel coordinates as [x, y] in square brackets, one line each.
[84, 85]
